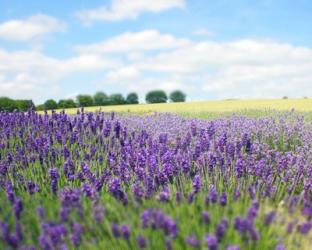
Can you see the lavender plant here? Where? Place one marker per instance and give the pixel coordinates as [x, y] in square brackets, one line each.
[160, 181]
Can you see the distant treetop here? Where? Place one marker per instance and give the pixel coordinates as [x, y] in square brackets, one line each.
[156, 96]
[177, 96]
[132, 98]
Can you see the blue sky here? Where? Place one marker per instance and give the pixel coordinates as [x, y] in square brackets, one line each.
[210, 49]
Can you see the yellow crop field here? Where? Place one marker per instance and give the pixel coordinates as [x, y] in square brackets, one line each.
[302, 105]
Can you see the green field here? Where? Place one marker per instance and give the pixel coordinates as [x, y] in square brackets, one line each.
[213, 109]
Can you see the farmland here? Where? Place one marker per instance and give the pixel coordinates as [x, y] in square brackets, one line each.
[212, 109]
[303, 105]
[150, 180]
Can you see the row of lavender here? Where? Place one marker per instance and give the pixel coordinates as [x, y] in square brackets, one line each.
[100, 181]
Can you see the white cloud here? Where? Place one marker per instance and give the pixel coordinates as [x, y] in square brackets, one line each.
[146, 40]
[30, 74]
[87, 62]
[216, 55]
[146, 60]
[259, 81]
[202, 32]
[30, 28]
[241, 69]
[121, 74]
[37, 63]
[127, 9]
[25, 86]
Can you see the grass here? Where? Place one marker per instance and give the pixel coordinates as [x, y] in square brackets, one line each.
[213, 109]
[303, 105]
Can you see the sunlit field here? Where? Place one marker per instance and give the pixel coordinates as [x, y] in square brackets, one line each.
[302, 105]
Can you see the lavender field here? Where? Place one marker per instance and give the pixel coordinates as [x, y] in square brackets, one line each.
[157, 181]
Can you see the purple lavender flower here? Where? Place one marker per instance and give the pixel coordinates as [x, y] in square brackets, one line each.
[205, 217]
[251, 192]
[9, 191]
[253, 210]
[52, 235]
[223, 199]
[196, 184]
[3, 169]
[221, 227]
[279, 246]
[164, 195]
[190, 197]
[145, 218]
[114, 186]
[307, 209]
[87, 190]
[170, 227]
[97, 212]
[178, 197]
[53, 172]
[44, 242]
[305, 227]
[17, 207]
[9, 239]
[232, 248]
[269, 218]
[141, 241]
[248, 146]
[168, 244]
[290, 227]
[31, 187]
[40, 212]
[125, 232]
[18, 231]
[115, 230]
[253, 233]
[238, 168]
[240, 224]
[213, 196]
[63, 213]
[87, 172]
[236, 194]
[211, 242]
[192, 241]
[69, 197]
[77, 230]
[137, 191]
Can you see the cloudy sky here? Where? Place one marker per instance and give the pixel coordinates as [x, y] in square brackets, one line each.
[209, 49]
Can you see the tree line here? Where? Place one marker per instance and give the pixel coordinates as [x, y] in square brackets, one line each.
[102, 99]
[98, 99]
[10, 105]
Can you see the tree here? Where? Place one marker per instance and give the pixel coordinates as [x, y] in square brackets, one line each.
[177, 96]
[40, 107]
[156, 96]
[24, 105]
[7, 104]
[132, 98]
[84, 100]
[66, 104]
[100, 99]
[50, 104]
[117, 99]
